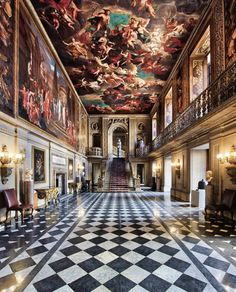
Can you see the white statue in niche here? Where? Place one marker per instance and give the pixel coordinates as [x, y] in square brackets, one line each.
[118, 147]
[209, 177]
[28, 174]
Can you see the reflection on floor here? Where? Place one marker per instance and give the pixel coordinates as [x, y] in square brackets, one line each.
[118, 242]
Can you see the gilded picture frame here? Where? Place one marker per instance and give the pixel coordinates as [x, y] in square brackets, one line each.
[39, 165]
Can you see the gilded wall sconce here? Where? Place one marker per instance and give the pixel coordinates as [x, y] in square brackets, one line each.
[6, 160]
[177, 167]
[230, 158]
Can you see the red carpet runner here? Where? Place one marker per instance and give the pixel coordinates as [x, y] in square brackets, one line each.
[118, 176]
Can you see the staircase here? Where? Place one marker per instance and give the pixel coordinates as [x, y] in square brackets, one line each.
[118, 176]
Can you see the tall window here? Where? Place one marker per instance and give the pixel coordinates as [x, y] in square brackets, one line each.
[200, 66]
[168, 108]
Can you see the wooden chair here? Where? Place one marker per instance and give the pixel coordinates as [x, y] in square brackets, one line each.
[12, 204]
[228, 203]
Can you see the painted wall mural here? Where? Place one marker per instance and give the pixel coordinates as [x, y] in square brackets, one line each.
[45, 99]
[119, 53]
[230, 31]
[6, 56]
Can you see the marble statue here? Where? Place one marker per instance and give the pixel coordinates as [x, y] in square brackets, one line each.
[28, 174]
[209, 176]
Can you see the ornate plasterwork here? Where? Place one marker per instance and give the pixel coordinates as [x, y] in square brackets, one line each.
[218, 38]
[94, 126]
[141, 126]
[118, 121]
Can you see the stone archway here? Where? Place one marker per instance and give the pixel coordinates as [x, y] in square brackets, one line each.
[111, 131]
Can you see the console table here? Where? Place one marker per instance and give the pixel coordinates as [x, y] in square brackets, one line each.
[50, 194]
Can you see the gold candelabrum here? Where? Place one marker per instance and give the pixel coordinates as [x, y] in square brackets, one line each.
[7, 160]
[230, 159]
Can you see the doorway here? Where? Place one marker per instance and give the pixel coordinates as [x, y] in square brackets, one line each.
[119, 143]
[167, 174]
[140, 172]
[199, 164]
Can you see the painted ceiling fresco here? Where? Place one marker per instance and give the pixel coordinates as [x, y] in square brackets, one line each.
[119, 53]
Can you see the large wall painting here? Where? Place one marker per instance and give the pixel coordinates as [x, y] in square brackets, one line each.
[230, 31]
[6, 56]
[119, 53]
[45, 99]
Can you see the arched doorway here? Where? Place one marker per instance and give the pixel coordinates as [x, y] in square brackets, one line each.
[118, 141]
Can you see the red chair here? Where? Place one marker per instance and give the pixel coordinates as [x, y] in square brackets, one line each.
[12, 204]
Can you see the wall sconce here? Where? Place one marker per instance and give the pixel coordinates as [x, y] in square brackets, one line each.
[80, 168]
[6, 159]
[229, 157]
[157, 170]
[177, 167]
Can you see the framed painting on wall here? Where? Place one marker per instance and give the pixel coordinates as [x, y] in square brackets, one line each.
[7, 11]
[39, 167]
[70, 169]
[230, 31]
[45, 98]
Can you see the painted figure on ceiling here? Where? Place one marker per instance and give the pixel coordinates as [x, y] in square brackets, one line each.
[118, 53]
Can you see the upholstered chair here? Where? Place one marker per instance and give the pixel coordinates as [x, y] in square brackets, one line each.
[228, 203]
[12, 204]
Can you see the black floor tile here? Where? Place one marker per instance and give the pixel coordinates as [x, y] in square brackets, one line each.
[119, 265]
[61, 264]
[119, 284]
[47, 240]
[76, 240]
[36, 250]
[84, 284]
[119, 250]
[177, 264]
[98, 240]
[217, 264]
[144, 250]
[148, 264]
[90, 265]
[190, 284]
[202, 249]
[49, 284]
[153, 284]
[229, 280]
[161, 239]
[95, 250]
[168, 250]
[70, 250]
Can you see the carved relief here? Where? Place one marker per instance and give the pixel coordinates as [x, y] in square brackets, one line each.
[94, 126]
[141, 126]
[118, 120]
[217, 38]
[179, 92]
[230, 31]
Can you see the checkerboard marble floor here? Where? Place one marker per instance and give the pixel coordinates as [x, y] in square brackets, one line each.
[118, 242]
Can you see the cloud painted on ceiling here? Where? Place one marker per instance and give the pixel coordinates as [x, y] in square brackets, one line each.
[119, 53]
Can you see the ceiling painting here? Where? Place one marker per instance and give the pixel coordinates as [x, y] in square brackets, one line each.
[119, 53]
